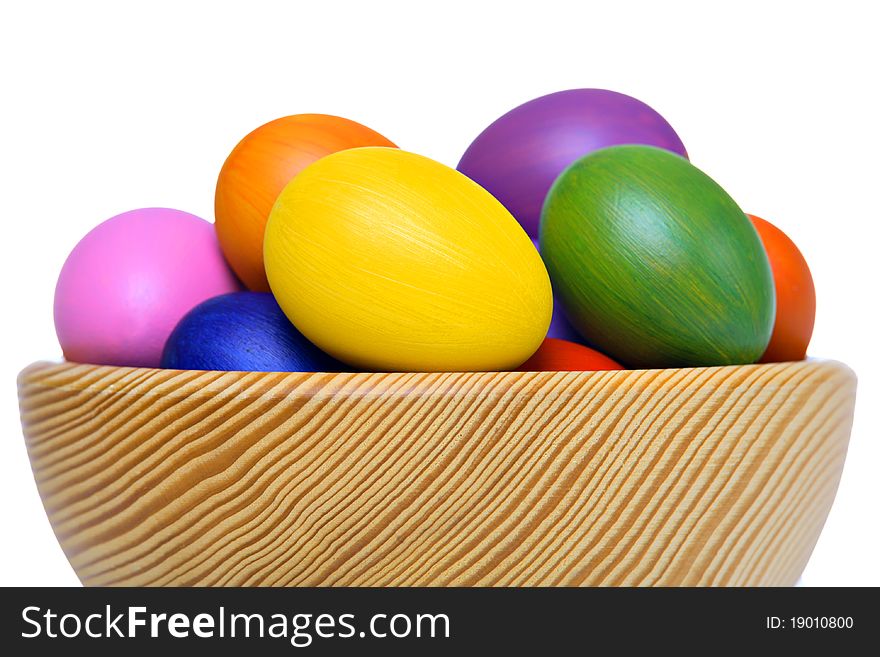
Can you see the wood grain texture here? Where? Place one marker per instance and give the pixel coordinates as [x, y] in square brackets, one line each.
[704, 476]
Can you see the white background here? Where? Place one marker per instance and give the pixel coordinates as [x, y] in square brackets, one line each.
[108, 107]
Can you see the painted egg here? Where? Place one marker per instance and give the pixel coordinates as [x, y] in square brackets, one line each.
[258, 169]
[388, 260]
[655, 264]
[555, 355]
[243, 331]
[128, 282]
[519, 156]
[560, 327]
[795, 295]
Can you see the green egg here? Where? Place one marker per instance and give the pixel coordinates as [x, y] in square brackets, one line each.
[654, 263]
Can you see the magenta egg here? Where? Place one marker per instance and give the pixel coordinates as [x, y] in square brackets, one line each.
[519, 156]
[129, 281]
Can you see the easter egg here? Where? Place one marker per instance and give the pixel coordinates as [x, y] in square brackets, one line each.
[655, 264]
[560, 327]
[555, 355]
[519, 156]
[795, 295]
[128, 282]
[243, 331]
[391, 261]
[258, 169]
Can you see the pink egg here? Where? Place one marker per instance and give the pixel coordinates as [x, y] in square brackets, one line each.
[129, 281]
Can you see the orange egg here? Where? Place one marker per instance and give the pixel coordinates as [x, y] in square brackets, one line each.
[795, 295]
[258, 169]
[555, 355]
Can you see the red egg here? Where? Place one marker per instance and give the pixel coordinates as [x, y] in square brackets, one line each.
[555, 355]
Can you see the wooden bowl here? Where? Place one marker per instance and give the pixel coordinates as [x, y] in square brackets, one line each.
[710, 476]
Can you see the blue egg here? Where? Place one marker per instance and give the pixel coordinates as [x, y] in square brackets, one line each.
[242, 331]
[560, 327]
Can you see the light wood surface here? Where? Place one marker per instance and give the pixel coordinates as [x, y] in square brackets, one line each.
[706, 476]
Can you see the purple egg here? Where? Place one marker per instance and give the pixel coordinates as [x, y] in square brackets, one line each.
[560, 327]
[519, 156]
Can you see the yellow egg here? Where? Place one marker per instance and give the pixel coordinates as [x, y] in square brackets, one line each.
[390, 261]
